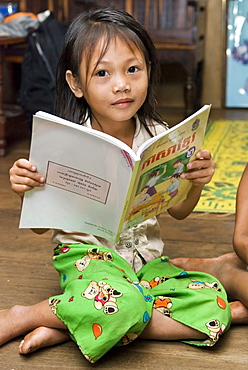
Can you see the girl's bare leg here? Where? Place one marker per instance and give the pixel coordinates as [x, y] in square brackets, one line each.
[162, 327]
[20, 320]
[233, 275]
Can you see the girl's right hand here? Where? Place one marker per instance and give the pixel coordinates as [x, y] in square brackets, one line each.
[24, 177]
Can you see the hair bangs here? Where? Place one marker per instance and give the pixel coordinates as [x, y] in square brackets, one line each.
[100, 35]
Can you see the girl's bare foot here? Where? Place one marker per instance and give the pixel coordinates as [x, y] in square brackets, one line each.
[42, 337]
[212, 266]
[20, 320]
[239, 313]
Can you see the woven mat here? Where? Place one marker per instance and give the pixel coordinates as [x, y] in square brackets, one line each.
[228, 143]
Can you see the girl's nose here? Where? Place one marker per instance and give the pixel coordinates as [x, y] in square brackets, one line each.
[121, 85]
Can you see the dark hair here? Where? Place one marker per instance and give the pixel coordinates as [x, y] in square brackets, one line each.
[81, 38]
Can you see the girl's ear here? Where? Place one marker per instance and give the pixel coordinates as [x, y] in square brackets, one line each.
[74, 84]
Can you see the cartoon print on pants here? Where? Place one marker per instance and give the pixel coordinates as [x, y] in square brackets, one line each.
[61, 248]
[53, 304]
[221, 303]
[202, 285]
[128, 338]
[104, 296]
[154, 282]
[215, 331]
[93, 254]
[136, 284]
[163, 305]
[97, 330]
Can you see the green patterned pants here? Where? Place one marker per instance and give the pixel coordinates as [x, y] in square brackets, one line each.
[105, 303]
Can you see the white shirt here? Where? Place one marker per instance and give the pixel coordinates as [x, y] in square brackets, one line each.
[138, 245]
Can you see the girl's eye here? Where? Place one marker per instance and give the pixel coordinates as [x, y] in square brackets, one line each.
[133, 69]
[102, 73]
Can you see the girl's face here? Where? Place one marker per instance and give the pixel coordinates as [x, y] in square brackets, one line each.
[116, 86]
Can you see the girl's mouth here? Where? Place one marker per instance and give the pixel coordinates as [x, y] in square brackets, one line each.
[123, 103]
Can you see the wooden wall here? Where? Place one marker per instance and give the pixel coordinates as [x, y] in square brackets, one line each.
[214, 69]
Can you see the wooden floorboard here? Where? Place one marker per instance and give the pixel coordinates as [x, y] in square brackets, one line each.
[27, 276]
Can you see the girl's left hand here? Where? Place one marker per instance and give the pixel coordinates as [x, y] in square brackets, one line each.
[201, 170]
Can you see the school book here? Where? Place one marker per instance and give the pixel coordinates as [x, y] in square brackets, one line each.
[98, 185]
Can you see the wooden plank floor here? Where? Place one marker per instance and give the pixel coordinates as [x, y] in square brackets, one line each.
[26, 277]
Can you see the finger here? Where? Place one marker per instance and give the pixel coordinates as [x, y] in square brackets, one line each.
[192, 175]
[200, 164]
[199, 174]
[24, 163]
[21, 189]
[26, 181]
[23, 176]
[23, 170]
[204, 154]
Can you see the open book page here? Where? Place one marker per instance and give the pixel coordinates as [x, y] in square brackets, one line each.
[158, 185]
[52, 118]
[86, 179]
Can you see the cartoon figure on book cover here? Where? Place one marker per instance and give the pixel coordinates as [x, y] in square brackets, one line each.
[154, 177]
[144, 197]
[153, 192]
[158, 186]
[179, 167]
[147, 195]
[173, 188]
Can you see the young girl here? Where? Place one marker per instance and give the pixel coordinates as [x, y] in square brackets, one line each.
[115, 293]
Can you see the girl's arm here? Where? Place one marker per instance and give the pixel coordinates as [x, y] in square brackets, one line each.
[24, 177]
[240, 236]
[200, 173]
